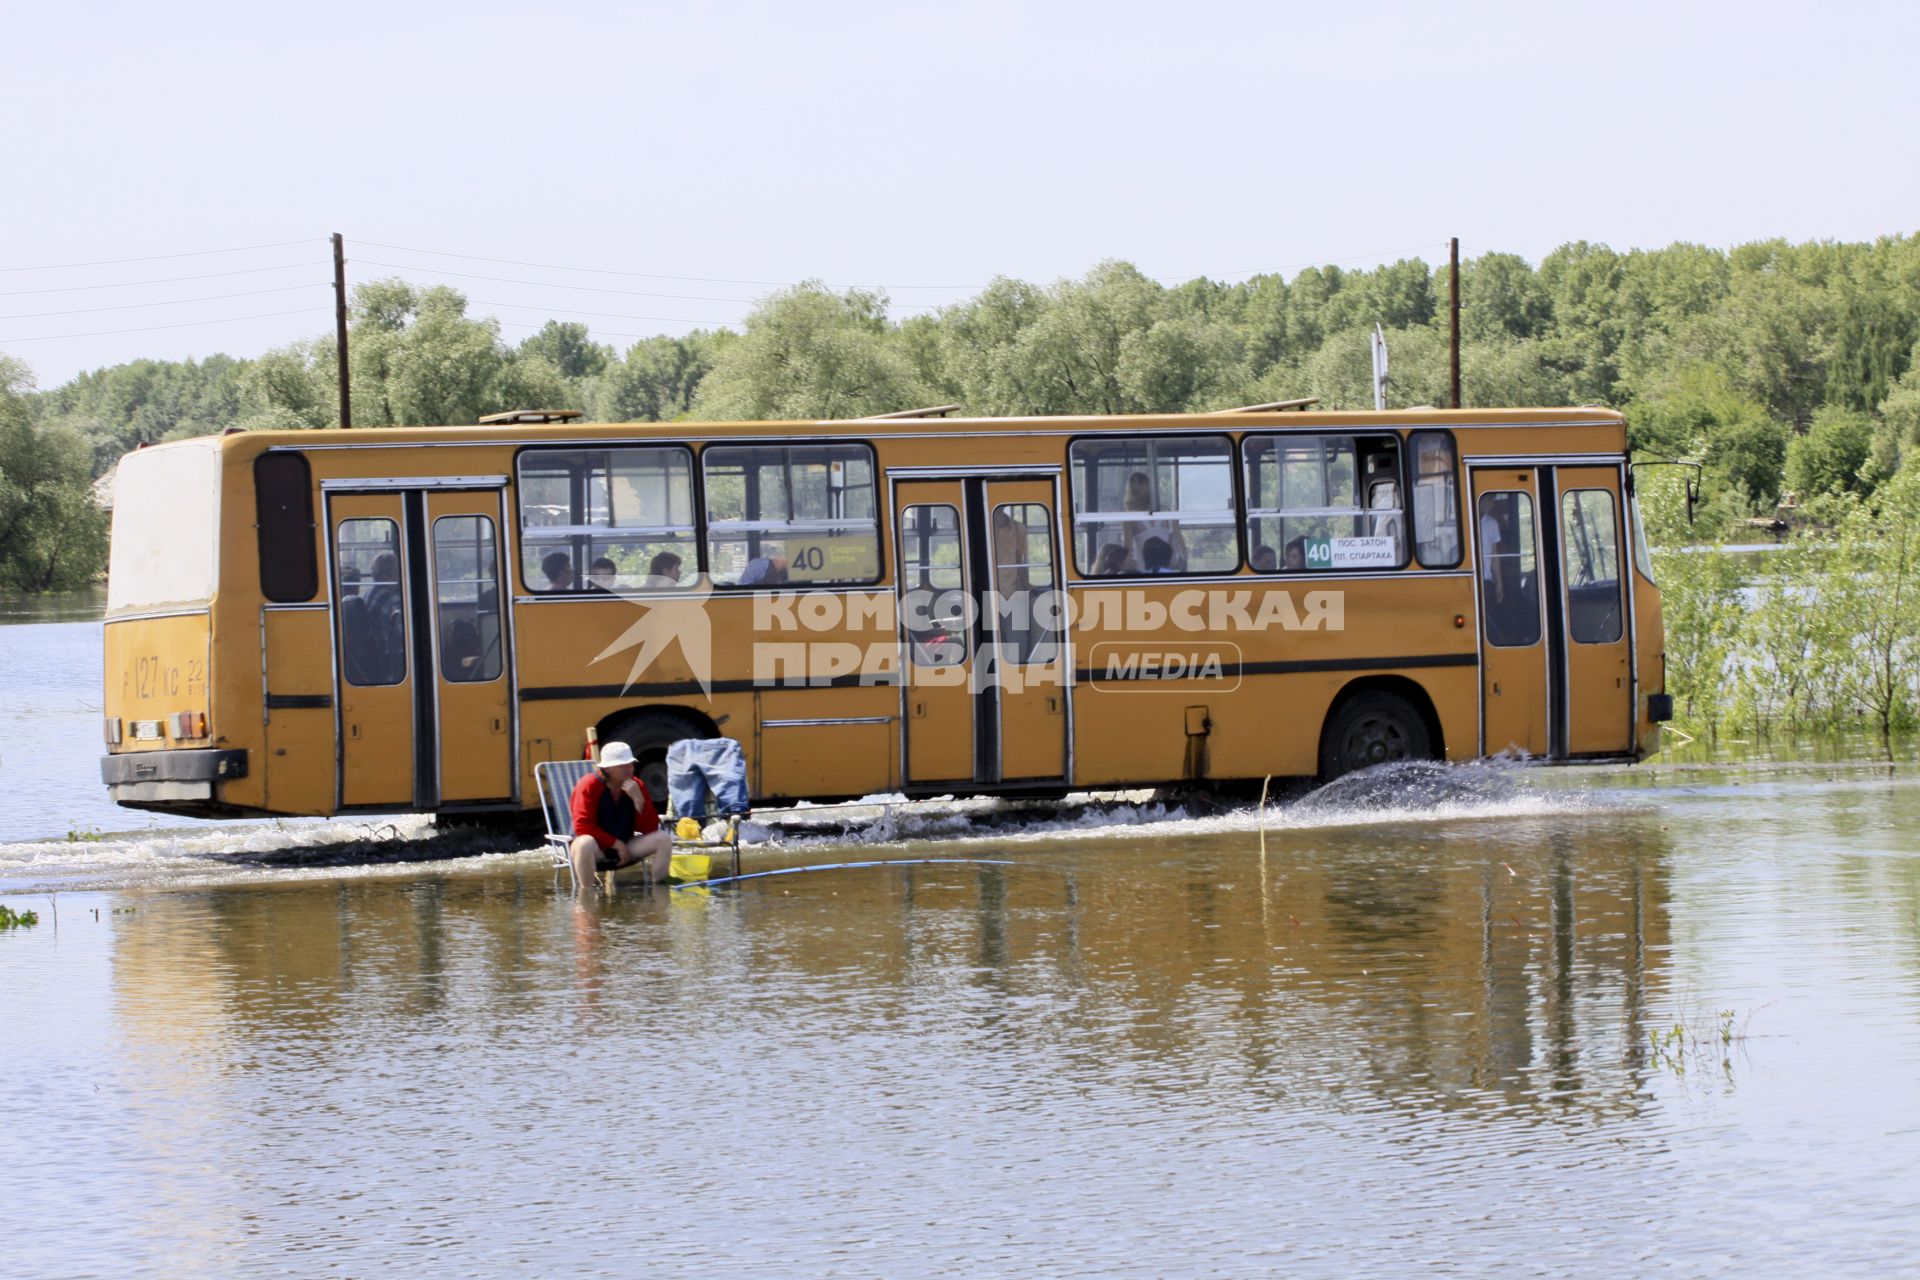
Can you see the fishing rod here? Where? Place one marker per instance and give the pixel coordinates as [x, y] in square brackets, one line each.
[848, 866]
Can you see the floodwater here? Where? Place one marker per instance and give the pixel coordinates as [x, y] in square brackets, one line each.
[1661, 1020]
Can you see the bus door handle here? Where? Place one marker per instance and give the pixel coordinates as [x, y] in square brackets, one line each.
[920, 709]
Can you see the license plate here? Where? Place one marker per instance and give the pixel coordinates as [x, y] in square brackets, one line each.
[146, 731]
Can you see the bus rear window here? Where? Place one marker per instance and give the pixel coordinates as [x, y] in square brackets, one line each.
[166, 518]
[283, 508]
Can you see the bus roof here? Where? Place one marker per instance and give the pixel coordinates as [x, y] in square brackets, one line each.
[1233, 420]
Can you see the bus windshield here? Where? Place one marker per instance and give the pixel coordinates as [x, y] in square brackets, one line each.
[166, 509]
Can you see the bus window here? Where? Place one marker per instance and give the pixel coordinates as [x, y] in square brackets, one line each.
[937, 610]
[1510, 578]
[283, 511]
[1323, 502]
[799, 514]
[592, 520]
[466, 598]
[1593, 566]
[1153, 505]
[373, 624]
[1023, 581]
[1436, 502]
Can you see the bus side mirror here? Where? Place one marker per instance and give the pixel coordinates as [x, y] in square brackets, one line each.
[1690, 485]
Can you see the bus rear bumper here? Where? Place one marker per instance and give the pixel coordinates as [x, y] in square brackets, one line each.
[184, 777]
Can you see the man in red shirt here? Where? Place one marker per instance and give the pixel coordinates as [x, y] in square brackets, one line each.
[614, 822]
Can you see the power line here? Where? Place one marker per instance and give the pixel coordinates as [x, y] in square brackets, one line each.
[544, 284]
[604, 333]
[783, 284]
[159, 257]
[131, 284]
[615, 315]
[185, 324]
[174, 302]
[609, 271]
[609, 315]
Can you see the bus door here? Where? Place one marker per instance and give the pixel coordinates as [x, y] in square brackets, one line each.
[472, 683]
[420, 648]
[939, 631]
[374, 645]
[1028, 652]
[1599, 658]
[984, 659]
[1515, 662]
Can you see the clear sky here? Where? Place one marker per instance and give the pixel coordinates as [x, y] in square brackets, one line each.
[922, 147]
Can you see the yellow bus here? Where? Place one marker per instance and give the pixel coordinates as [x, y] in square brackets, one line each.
[410, 619]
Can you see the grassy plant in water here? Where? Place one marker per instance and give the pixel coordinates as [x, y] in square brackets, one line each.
[11, 919]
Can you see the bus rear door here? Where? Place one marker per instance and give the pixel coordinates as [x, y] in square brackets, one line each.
[374, 644]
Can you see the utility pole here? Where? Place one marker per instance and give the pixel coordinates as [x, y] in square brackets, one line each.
[1453, 313]
[340, 330]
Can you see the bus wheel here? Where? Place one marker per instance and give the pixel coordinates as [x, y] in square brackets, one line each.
[1372, 728]
[650, 733]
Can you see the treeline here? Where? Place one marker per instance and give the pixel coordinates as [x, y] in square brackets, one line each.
[1777, 366]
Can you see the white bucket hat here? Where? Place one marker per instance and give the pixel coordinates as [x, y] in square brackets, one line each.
[615, 753]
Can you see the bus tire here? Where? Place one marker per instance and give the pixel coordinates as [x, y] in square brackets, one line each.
[650, 733]
[1370, 728]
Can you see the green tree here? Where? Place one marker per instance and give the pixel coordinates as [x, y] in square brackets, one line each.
[53, 535]
[809, 353]
[658, 378]
[1832, 457]
[569, 347]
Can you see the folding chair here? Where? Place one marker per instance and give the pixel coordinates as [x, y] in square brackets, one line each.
[556, 780]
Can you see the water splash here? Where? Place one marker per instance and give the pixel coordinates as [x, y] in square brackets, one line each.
[1408, 792]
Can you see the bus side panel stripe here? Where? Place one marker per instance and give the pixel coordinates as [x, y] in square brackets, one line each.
[1299, 666]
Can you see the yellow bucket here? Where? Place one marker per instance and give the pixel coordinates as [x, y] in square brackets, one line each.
[689, 866]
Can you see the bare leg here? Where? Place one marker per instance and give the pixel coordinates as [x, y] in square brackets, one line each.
[584, 852]
[656, 850]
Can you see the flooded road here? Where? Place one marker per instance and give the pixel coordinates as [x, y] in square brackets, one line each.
[1465, 1020]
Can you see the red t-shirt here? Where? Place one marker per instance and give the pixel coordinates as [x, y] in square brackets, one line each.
[609, 816]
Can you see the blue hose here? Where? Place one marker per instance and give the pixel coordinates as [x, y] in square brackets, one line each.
[847, 866]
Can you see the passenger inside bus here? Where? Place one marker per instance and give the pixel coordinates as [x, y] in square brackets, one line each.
[601, 576]
[764, 571]
[1297, 555]
[558, 566]
[1263, 559]
[1507, 569]
[664, 571]
[1139, 497]
[374, 630]
[1156, 556]
[1113, 561]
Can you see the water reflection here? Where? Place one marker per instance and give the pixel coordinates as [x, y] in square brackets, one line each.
[1390, 962]
[1379, 1041]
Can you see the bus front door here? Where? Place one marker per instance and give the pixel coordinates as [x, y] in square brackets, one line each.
[1515, 695]
[375, 644]
[985, 654]
[473, 704]
[1599, 662]
[1556, 652]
